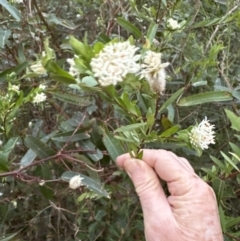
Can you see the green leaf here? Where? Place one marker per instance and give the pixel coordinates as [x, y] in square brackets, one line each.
[65, 136]
[130, 127]
[86, 181]
[40, 148]
[71, 99]
[47, 192]
[17, 69]
[11, 9]
[88, 145]
[235, 148]
[129, 27]
[98, 46]
[207, 97]
[207, 23]
[52, 18]
[234, 119]
[232, 222]
[89, 81]
[58, 73]
[30, 155]
[219, 163]
[171, 99]
[169, 132]
[7, 149]
[9, 237]
[218, 186]
[4, 35]
[151, 33]
[222, 218]
[113, 146]
[80, 48]
[229, 160]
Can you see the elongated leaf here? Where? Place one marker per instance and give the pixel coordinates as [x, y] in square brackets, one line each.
[232, 222]
[124, 139]
[40, 148]
[65, 136]
[4, 35]
[17, 69]
[229, 160]
[63, 79]
[9, 237]
[235, 120]
[129, 27]
[218, 186]
[219, 163]
[235, 148]
[52, 18]
[130, 127]
[80, 48]
[71, 99]
[58, 73]
[11, 9]
[151, 33]
[171, 99]
[86, 181]
[7, 148]
[30, 155]
[207, 97]
[206, 23]
[88, 145]
[169, 132]
[113, 146]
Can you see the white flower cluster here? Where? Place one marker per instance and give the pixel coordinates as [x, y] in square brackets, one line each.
[37, 68]
[202, 135]
[14, 88]
[114, 62]
[153, 70]
[38, 98]
[72, 70]
[42, 87]
[18, 1]
[75, 182]
[173, 24]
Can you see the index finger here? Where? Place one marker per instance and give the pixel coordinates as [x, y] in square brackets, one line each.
[176, 171]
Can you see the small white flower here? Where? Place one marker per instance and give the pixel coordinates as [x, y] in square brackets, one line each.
[75, 182]
[37, 68]
[14, 88]
[202, 135]
[73, 70]
[153, 70]
[42, 183]
[1, 142]
[30, 124]
[42, 87]
[114, 62]
[18, 1]
[39, 98]
[173, 24]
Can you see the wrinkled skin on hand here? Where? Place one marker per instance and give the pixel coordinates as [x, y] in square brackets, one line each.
[190, 213]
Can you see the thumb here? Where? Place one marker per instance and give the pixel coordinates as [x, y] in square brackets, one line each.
[148, 188]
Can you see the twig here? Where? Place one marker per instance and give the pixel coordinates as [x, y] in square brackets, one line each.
[218, 26]
[45, 23]
[128, 223]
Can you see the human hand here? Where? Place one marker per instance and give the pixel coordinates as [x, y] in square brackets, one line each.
[190, 213]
